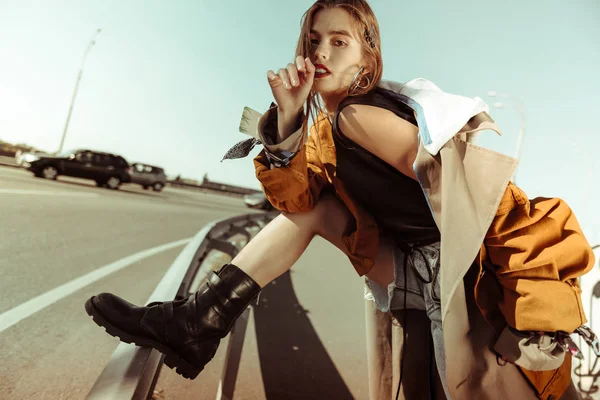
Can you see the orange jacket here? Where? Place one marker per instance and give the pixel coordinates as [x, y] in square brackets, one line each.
[535, 248]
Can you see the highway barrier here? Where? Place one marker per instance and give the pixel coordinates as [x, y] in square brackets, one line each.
[132, 371]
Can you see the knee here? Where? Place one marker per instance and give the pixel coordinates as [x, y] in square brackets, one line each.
[328, 211]
[327, 204]
[331, 217]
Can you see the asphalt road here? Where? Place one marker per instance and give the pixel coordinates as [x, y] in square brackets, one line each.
[304, 340]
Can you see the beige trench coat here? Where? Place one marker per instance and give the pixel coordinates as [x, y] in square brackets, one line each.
[464, 185]
[467, 182]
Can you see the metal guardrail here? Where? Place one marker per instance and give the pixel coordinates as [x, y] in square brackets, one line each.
[132, 371]
[587, 379]
[214, 187]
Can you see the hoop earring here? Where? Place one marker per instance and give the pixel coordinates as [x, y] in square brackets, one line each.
[354, 85]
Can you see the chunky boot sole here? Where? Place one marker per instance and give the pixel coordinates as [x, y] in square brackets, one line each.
[172, 359]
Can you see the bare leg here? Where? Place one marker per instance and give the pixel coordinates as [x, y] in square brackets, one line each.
[279, 244]
[207, 315]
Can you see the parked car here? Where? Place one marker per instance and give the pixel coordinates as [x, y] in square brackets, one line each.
[259, 201]
[148, 176]
[108, 170]
[28, 156]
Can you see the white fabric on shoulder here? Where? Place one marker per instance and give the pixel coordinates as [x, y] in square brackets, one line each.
[440, 115]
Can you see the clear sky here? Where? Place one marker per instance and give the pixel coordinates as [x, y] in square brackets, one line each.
[167, 81]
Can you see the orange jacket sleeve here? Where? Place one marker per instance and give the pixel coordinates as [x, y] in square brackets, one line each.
[296, 187]
[538, 251]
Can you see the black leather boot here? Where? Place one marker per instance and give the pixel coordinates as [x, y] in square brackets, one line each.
[187, 331]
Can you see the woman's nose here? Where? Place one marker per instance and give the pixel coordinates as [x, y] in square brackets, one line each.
[322, 52]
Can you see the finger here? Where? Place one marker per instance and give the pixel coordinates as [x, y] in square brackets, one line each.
[300, 64]
[283, 75]
[310, 71]
[274, 80]
[293, 74]
[310, 68]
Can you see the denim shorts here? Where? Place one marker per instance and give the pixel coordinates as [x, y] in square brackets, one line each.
[420, 281]
[416, 285]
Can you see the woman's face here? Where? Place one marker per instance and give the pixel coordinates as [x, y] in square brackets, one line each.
[335, 51]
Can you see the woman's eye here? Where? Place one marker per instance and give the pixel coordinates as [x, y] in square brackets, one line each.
[314, 42]
[339, 43]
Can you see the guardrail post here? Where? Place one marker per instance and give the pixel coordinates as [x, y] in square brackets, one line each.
[237, 230]
[132, 371]
[224, 246]
[233, 357]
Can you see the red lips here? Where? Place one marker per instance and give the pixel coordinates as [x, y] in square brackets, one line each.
[319, 74]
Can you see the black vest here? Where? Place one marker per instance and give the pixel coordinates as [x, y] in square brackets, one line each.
[395, 201]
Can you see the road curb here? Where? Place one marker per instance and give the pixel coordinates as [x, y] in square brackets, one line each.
[10, 165]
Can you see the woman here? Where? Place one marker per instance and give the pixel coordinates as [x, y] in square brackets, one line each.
[381, 163]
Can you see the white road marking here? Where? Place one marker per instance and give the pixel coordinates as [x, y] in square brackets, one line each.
[30, 307]
[47, 193]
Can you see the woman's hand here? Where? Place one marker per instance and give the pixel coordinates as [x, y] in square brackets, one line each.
[290, 87]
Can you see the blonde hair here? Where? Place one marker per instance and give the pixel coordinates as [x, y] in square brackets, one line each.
[367, 30]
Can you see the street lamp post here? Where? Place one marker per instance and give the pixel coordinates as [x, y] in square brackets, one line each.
[518, 105]
[87, 51]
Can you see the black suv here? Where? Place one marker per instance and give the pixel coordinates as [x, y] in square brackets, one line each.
[109, 170]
